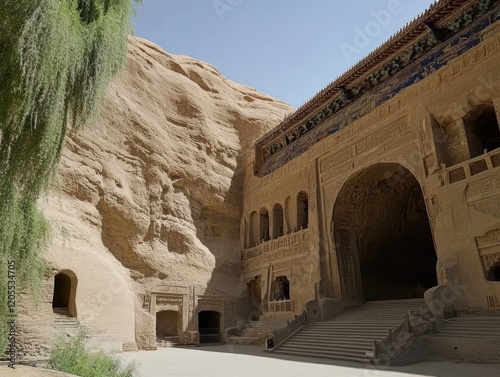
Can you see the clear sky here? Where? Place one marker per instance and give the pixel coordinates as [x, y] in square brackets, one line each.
[289, 49]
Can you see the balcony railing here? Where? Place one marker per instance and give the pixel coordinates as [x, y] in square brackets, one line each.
[280, 306]
[473, 166]
[288, 240]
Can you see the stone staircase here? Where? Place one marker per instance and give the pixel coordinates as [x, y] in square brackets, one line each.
[477, 327]
[471, 338]
[257, 332]
[350, 336]
[64, 323]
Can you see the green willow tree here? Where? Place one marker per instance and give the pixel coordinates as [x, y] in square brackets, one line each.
[57, 58]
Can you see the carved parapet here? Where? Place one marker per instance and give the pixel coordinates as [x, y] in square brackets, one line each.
[471, 167]
[283, 242]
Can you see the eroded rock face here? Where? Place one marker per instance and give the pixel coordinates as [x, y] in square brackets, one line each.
[152, 195]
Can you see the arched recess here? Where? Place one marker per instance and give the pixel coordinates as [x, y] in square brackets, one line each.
[280, 288]
[253, 230]
[209, 326]
[302, 210]
[382, 236]
[254, 288]
[244, 232]
[494, 272]
[277, 221]
[264, 224]
[287, 222]
[167, 324]
[482, 130]
[64, 294]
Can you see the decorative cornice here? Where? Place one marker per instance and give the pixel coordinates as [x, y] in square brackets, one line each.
[440, 22]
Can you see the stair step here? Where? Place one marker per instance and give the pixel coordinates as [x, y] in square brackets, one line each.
[360, 352]
[347, 331]
[331, 345]
[327, 355]
[353, 325]
[350, 335]
[467, 334]
[360, 338]
[471, 326]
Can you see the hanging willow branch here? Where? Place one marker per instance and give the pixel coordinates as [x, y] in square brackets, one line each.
[57, 58]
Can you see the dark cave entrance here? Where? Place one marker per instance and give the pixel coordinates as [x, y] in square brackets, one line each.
[209, 326]
[382, 236]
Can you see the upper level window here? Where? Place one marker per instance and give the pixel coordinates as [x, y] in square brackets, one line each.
[494, 273]
[277, 221]
[264, 225]
[481, 128]
[302, 211]
[253, 232]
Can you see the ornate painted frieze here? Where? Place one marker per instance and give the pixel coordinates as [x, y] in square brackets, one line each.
[424, 57]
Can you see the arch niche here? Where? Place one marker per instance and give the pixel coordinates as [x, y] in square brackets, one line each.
[209, 326]
[167, 324]
[64, 294]
[382, 236]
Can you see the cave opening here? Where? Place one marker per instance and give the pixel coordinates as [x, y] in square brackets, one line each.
[64, 293]
[209, 326]
[382, 235]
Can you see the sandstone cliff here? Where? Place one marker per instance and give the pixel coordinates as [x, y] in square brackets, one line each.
[152, 195]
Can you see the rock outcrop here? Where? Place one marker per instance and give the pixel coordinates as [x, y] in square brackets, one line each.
[152, 195]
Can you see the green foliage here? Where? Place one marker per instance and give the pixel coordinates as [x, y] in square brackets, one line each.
[57, 58]
[73, 358]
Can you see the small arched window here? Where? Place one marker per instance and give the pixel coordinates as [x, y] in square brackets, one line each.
[481, 128]
[253, 230]
[277, 221]
[302, 211]
[264, 224]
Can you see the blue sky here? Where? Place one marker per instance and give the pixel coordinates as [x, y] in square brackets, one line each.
[289, 49]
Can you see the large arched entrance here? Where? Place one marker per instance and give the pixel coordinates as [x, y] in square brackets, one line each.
[382, 236]
[209, 326]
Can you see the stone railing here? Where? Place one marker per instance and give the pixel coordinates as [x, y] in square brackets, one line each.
[280, 306]
[288, 240]
[393, 342]
[469, 168]
[280, 336]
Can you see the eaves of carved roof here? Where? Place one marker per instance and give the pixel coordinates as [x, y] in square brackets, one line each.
[438, 14]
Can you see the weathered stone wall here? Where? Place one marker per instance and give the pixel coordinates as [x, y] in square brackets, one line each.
[150, 199]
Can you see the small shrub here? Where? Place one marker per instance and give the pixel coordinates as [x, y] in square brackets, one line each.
[73, 357]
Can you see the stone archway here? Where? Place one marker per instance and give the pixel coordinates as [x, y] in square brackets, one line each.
[64, 293]
[382, 236]
[167, 324]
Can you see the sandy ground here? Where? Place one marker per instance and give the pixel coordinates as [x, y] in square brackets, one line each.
[24, 371]
[243, 361]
